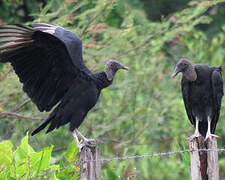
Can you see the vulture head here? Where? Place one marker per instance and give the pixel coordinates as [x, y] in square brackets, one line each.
[112, 66]
[186, 68]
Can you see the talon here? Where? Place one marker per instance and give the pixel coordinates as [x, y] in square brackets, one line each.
[85, 141]
[89, 142]
[209, 136]
[192, 137]
[195, 135]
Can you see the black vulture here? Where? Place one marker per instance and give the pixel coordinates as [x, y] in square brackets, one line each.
[202, 90]
[48, 61]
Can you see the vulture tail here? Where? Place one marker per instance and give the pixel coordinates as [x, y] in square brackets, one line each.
[42, 126]
[12, 40]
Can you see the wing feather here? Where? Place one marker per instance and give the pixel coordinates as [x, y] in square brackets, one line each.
[185, 86]
[46, 58]
[217, 86]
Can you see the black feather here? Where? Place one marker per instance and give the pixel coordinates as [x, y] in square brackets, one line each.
[48, 61]
[202, 97]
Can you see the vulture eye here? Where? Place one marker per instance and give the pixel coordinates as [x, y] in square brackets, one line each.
[184, 66]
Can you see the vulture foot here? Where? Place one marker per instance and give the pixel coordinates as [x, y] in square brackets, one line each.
[85, 141]
[195, 135]
[209, 136]
[89, 142]
[80, 146]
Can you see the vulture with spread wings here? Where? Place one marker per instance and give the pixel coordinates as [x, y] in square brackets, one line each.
[202, 90]
[48, 61]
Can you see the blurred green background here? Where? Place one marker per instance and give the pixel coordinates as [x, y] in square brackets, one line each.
[143, 111]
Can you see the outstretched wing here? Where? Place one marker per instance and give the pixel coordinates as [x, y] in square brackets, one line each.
[217, 86]
[185, 86]
[70, 40]
[46, 57]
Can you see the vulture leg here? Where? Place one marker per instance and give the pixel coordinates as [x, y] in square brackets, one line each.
[208, 134]
[85, 140]
[196, 133]
[79, 145]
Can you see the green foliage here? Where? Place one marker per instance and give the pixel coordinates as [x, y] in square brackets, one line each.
[6, 153]
[142, 112]
[26, 163]
[71, 152]
[15, 11]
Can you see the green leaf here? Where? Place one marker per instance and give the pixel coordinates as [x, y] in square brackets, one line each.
[21, 153]
[5, 153]
[71, 152]
[68, 173]
[41, 160]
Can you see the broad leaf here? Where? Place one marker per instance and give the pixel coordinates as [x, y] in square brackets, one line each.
[5, 153]
[21, 153]
[71, 152]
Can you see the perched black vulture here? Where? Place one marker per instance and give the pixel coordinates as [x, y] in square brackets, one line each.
[202, 90]
[48, 60]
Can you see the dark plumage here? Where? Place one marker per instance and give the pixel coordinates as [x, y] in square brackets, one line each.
[48, 60]
[202, 90]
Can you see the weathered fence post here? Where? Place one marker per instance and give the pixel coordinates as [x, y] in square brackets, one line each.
[198, 159]
[212, 158]
[204, 164]
[90, 167]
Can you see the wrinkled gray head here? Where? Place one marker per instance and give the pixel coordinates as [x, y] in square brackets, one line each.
[186, 68]
[112, 66]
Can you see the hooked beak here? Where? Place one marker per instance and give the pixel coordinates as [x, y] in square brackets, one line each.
[126, 68]
[176, 71]
[123, 67]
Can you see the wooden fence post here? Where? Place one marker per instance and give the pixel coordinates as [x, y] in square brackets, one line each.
[212, 156]
[204, 164]
[90, 167]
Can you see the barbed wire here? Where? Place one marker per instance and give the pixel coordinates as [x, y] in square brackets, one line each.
[155, 154]
[128, 157]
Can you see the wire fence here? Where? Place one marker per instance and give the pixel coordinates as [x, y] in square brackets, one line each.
[129, 157]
